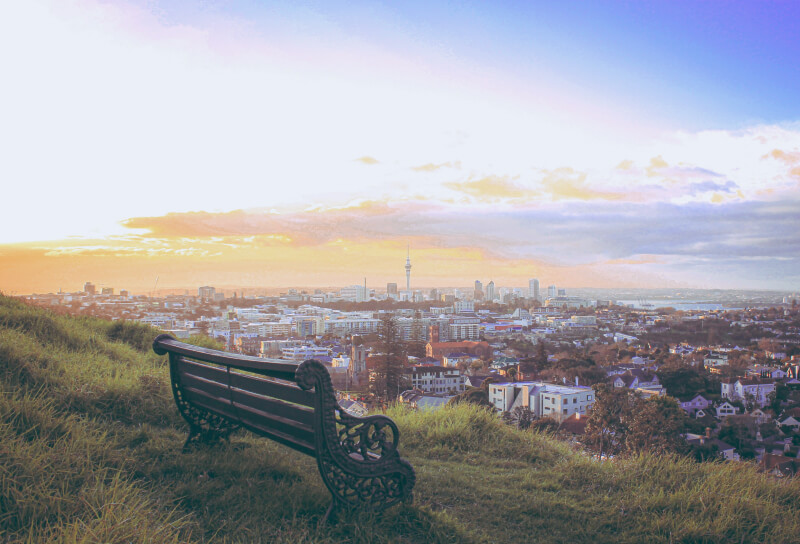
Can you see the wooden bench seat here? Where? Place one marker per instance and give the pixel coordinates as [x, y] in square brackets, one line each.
[295, 405]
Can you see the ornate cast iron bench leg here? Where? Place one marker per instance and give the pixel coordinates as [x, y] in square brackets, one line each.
[357, 457]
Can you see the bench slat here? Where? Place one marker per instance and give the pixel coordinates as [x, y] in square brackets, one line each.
[269, 422]
[276, 369]
[295, 443]
[212, 388]
[208, 372]
[263, 386]
[269, 388]
[295, 435]
[216, 405]
[293, 412]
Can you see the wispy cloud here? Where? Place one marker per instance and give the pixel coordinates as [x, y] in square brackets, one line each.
[431, 167]
[366, 159]
[492, 188]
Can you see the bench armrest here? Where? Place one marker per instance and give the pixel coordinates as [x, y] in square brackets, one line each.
[371, 438]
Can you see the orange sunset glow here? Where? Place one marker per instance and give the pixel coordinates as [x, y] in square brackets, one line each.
[210, 144]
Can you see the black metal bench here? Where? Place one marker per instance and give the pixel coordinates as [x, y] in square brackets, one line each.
[218, 392]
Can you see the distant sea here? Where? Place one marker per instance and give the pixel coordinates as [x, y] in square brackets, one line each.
[685, 305]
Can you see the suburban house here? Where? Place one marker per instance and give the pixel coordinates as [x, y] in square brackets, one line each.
[746, 388]
[779, 465]
[724, 449]
[543, 399]
[353, 407]
[790, 418]
[726, 409]
[693, 404]
[681, 350]
[575, 424]
[452, 359]
[760, 416]
[715, 359]
[635, 379]
[423, 401]
[766, 371]
[439, 350]
[437, 379]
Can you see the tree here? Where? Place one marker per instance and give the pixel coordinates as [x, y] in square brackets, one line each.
[474, 395]
[541, 355]
[681, 381]
[776, 398]
[605, 428]
[388, 376]
[512, 373]
[521, 416]
[654, 425]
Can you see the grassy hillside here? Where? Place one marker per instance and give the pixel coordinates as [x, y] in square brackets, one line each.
[90, 452]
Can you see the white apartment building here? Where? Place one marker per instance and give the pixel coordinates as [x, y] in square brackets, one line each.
[273, 348]
[303, 353]
[344, 326]
[356, 293]
[464, 328]
[275, 329]
[437, 379]
[463, 306]
[543, 399]
[160, 321]
[745, 388]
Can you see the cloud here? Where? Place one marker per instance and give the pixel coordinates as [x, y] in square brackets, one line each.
[708, 186]
[366, 159]
[431, 167]
[625, 165]
[573, 241]
[567, 184]
[656, 164]
[790, 159]
[787, 157]
[492, 188]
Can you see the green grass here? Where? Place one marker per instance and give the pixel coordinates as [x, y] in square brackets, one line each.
[90, 446]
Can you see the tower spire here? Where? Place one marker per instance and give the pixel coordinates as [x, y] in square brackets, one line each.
[408, 269]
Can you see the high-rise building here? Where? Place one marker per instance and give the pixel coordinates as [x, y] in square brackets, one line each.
[552, 291]
[408, 269]
[89, 288]
[206, 292]
[562, 292]
[533, 289]
[391, 289]
[108, 291]
[478, 290]
[490, 294]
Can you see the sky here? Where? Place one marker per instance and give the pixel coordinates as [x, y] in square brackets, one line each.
[279, 144]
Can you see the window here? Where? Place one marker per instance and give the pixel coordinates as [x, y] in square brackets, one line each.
[565, 410]
[575, 401]
[566, 400]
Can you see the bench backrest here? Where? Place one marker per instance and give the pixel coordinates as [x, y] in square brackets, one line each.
[261, 395]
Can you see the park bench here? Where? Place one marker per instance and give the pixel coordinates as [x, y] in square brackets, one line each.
[295, 405]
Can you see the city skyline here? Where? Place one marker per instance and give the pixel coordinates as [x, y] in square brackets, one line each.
[277, 144]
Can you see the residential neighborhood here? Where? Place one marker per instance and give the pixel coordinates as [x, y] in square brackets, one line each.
[734, 373]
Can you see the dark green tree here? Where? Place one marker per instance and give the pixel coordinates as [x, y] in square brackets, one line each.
[388, 379]
[654, 425]
[606, 427]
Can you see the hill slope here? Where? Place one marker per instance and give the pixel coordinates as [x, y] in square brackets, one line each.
[90, 451]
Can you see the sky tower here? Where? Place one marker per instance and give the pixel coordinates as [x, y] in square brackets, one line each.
[408, 269]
